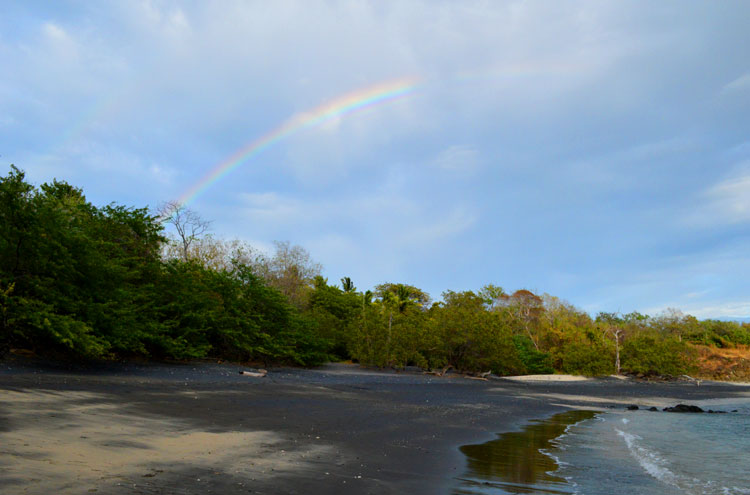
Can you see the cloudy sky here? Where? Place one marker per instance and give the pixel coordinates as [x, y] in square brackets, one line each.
[597, 151]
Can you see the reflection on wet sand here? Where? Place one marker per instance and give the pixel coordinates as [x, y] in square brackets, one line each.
[513, 463]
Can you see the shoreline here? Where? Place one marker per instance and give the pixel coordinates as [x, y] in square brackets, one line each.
[200, 428]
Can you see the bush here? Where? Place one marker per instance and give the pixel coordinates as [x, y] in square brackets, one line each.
[534, 362]
[586, 358]
[471, 338]
[652, 354]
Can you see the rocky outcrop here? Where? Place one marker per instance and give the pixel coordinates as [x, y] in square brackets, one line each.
[684, 408]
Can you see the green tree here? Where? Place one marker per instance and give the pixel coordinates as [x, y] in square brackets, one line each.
[651, 353]
[335, 312]
[347, 285]
[76, 270]
[493, 296]
[470, 338]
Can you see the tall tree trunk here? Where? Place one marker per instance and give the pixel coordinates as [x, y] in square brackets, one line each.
[531, 337]
[617, 351]
[388, 339]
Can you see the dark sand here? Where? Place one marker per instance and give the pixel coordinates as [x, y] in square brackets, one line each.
[198, 429]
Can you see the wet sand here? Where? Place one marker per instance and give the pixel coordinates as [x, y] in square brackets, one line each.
[203, 428]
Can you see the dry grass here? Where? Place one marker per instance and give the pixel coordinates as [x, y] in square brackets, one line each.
[724, 364]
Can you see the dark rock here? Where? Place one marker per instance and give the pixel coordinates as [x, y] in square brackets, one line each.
[734, 410]
[684, 408]
[633, 408]
[652, 408]
[711, 411]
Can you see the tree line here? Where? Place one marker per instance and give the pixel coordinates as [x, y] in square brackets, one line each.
[86, 282]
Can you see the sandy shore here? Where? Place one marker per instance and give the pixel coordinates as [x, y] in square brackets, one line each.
[339, 429]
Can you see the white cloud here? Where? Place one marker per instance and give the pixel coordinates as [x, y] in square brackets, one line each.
[408, 222]
[728, 201]
[705, 283]
[712, 309]
[56, 48]
[160, 19]
[55, 33]
[372, 235]
[578, 117]
[162, 174]
[742, 83]
[274, 209]
[460, 159]
[439, 228]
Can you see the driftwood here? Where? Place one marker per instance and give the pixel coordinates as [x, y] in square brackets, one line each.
[439, 373]
[255, 373]
[471, 376]
[697, 381]
[479, 376]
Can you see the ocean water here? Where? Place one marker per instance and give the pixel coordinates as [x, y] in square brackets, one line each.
[625, 452]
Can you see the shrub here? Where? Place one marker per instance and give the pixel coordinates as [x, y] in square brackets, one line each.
[653, 354]
[586, 358]
[534, 361]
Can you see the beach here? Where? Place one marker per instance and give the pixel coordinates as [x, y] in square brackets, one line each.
[205, 428]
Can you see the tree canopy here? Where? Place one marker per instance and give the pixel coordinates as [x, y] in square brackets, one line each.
[102, 282]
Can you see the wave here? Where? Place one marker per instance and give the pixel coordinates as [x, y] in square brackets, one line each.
[558, 444]
[658, 467]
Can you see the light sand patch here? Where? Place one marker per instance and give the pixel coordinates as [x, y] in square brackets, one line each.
[579, 401]
[547, 378]
[642, 401]
[660, 402]
[741, 398]
[579, 407]
[73, 442]
[620, 377]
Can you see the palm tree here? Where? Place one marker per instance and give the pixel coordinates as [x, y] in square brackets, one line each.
[348, 285]
[405, 295]
[398, 297]
[403, 298]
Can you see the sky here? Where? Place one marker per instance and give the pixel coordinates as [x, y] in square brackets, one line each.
[596, 151]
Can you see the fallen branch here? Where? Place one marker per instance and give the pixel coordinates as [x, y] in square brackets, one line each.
[697, 381]
[479, 376]
[439, 373]
[255, 373]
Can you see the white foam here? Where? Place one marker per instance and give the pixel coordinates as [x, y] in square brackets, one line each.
[656, 466]
[560, 446]
[651, 462]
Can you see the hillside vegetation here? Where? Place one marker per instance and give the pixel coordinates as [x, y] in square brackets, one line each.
[79, 281]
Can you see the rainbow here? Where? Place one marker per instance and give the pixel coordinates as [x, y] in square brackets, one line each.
[351, 102]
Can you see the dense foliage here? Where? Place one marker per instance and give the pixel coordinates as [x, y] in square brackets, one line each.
[82, 281]
[91, 282]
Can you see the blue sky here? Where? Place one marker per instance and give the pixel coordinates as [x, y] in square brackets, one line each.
[596, 151]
